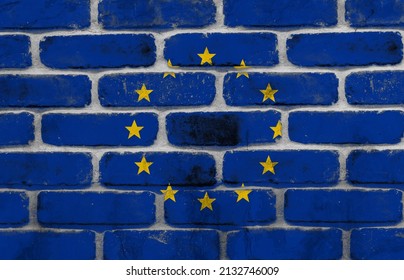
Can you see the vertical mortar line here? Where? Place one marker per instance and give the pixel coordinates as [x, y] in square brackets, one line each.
[95, 26]
[95, 161]
[342, 100]
[99, 245]
[37, 131]
[219, 14]
[282, 38]
[223, 245]
[160, 221]
[35, 51]
[346, 244]
[285, 128]
[33, 209]
[341, 14]
[95, 104]
[280, 206]
[342, 157]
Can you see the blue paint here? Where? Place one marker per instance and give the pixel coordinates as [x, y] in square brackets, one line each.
[179, 169]
[16, 129]
[376, 168]
[294, 168]
[15, 51]
[285, 244]
[227, 212]
[96, 210]
[377, 244]
[280, 13]
[47, 245]
[345, 49]
[136, 14]
[13, 209]
[369, 127]
[44, 14]
[257, 49]
[375, 88]
[45, 170]
[187, 89]
[44, 91]
[340, 208]
[221, 129]
[98, 129]
[384, 13]
[98, 51]
[293, 89]
[162, 245]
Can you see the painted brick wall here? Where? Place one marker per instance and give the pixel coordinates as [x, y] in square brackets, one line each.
[203, 129]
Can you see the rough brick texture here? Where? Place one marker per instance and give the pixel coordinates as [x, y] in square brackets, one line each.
[201, 129]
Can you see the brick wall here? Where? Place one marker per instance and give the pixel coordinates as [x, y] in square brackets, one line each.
[134, 129]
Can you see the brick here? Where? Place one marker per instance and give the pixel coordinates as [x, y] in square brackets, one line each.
[382, 13]
[227, 212]
[98, 129]
[47, 245]
[96, 210]
[186, 89]
[221, 128]
[367, 127]
[297, 168]
[377, 244]
[98, 51]
[376, 168]
[56, 14]
[13, 209]
[257, 49]
[162, 245]
[15, 51]
[122, 14]
[45, 170]
[285, 244]
[293, 89]
[179, 169]
[44, 91]
[341, 208]
[263, 13]
[17, 129]
[375, 88]
[345, 49]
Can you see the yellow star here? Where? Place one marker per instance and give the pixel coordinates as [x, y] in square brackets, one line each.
[143, 166]
[134, 130]
[268, 166]
[277, 129]
[243, 194]
[242, 66]
[206, 202]
[169, 193]
[143, 93]
[269, 93]
[206, 57]
[172, 74]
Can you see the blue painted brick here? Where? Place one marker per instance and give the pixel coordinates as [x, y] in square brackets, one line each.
[257, 49]
[280, 13]
[376, 168]
[221, 128]
[226, 213]
[294, 168]
[17, 129]
[44, 91]
[345, 49]
[47, 245]
[162, 245]
[186, 89]
[375, 88]
[281, 244]
[384, 13]
[45, 170]
[98, 51]
[123, 14]
[293, 89]
[98, 129]
[15, 51]
[341, 208]
[357, 127]
[180, 169]
[96, 210]
[13, 209]
[377, 244]
[44, 14]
